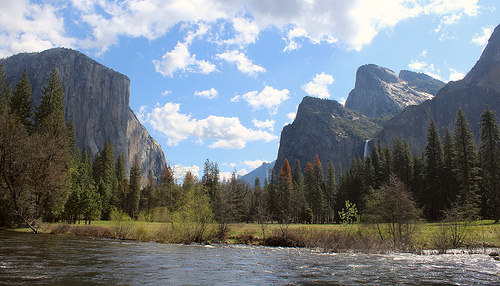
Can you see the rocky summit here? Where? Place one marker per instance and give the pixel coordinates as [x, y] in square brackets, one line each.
[378, 91]
[480, 87]
[325, 128]
[97, 100]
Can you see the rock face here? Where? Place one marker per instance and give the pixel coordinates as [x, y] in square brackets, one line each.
[327, 129]
[421, 82]
[378, 91]
[261, 172]
[97, 98]
[479, 88]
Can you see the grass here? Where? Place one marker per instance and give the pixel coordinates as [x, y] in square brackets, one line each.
[331, 237]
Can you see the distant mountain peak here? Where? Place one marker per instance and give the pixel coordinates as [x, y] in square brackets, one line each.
[378, 91]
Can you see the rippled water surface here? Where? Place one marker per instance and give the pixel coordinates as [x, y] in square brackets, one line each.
[64, 260]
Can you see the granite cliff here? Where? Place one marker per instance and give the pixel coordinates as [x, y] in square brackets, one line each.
[325, 128]
[97, 98]
[480, 87]
[379, 92]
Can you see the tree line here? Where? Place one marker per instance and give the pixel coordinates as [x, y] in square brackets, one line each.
[44, 176]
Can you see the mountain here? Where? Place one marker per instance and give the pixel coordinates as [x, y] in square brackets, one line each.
[97, 99]
[261, 172]
[378, 91]
[421, 82]
[480, 87]
[325, 128]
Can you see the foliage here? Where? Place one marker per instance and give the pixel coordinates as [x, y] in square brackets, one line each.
[349, 214]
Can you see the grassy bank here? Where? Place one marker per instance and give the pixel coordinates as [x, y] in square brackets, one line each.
[336, 238]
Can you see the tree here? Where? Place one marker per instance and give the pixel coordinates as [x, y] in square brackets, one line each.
[284, 192]
[4, 91]
[272, 195]
[465, 166]
[435, 201]
[134, 192]
[448, 178]
[50, 112]
[261, 212]
[394, 205]
[330, 192]
[90, 204]
[21, 104]
[401, 160]
[298, 199]
[489, 152]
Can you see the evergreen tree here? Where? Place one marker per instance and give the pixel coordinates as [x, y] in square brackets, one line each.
[285, 192]
[50, 112]
[465, 166]
[317, 193]
[104, 169]
[401, 160]
[489, 152]
[330, 192]
[134, 192]
[4, 91]
[272, 195]
[434, 198]
[298, 199]
[21, 104]
[169, 194]
[147, 201]
[450, 183]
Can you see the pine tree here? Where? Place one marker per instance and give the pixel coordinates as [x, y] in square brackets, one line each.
[134, 192]
[434, 198]
[449, 180]
[330, 192]
[298, 199]
[489, 152]
[272, 195]
[285, 192]
[465, 167]
[317, 193]
[50, 113]
[21, 104]
[401, 160]
[4, 94]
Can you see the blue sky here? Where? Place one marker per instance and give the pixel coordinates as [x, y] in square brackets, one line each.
[219, 79]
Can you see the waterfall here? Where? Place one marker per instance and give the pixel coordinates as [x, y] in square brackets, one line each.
[365, 153]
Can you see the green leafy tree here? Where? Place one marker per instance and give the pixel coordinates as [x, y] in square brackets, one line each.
[489, 152]
[393, 205]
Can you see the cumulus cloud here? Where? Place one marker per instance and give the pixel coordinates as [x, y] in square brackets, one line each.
[228, 132]
[455, 75]
[244, 64]
[210, 93]
[269, 98]
[482, 37]
[269, 124]
[181, 171]
[422, 66]
[319, 86]
[254, 164]
[228, 175]
[180, 59]
[29, 26]
[291, 116]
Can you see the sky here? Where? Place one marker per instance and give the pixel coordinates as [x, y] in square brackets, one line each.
[219, 79]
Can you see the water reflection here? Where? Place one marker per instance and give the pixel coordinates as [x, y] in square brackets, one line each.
[65, 260]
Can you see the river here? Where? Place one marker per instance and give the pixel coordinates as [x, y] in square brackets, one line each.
[27, 259]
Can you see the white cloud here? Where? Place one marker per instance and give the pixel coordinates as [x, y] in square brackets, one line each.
[269, 124]
[228, 175]
[228, 132]
[166, 92]
[180, 59]
[246, 32]
[31, 27]
[319, 86]
[243, 64]
[342, 100]
[143, 116]
[210, 93]
[181, 171]
[291, 116]
[481, 38]
[423, 53]
[455, 75]
[269, 98]
[424, 67]
[254, 164]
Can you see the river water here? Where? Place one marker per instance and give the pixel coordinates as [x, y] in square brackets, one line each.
[27, 259]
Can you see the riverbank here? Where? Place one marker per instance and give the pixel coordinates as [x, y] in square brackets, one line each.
[364, 238]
